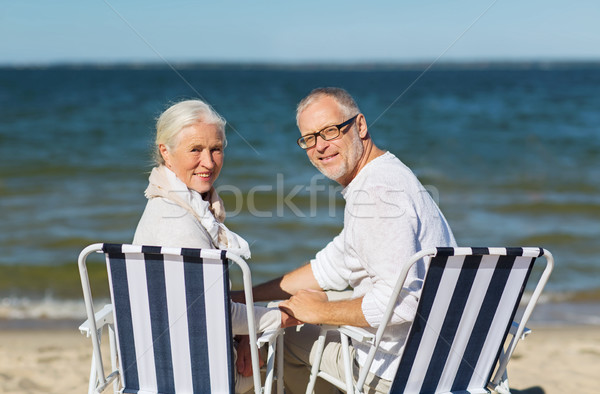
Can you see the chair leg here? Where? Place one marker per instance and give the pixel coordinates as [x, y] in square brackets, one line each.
[93, 377]
[317, 363]
[502, 387]
[94, 372]
[279, 360]
[347, 363]
[113, 355]
[270, 369]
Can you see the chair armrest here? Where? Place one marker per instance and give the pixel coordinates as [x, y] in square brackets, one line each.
[102, 317]
[357, 333]
[515, 326]
[269, 336]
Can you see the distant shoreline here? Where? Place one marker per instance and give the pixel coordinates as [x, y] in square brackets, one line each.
[470, 65]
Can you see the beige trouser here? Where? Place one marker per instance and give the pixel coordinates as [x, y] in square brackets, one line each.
[299, 354]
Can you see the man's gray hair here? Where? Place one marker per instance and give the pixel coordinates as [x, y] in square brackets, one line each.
[341, 96]
[180, 115]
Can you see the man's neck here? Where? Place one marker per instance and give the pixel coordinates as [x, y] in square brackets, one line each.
[370, 153]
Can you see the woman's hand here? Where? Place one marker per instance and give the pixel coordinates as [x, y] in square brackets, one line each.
[244, 359]
[287, 320]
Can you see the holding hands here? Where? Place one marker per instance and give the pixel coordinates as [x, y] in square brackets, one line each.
[244, 361]
[305, 305]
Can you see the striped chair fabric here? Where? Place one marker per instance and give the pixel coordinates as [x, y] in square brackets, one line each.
[468, 302]
[171, 317]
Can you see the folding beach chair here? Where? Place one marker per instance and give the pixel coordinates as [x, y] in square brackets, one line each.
[466, 310]
[169, 322]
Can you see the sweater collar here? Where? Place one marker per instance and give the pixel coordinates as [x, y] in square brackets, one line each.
[164, 183]
[362, 174]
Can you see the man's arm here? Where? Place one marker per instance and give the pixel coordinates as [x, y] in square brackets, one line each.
[283, 287]
[312, 306]
[277, 289]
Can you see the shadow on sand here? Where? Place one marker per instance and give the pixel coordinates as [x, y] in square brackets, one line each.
[531, 390]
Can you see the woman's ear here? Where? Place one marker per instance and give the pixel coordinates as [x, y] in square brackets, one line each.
[164, 152]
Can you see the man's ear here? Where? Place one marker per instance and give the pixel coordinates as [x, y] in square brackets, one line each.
[361, 122]
[164, 152]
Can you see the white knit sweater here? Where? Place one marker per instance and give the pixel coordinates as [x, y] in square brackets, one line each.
[388, 217]
[165, 223]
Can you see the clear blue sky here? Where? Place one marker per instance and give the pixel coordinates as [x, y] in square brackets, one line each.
[43, 31]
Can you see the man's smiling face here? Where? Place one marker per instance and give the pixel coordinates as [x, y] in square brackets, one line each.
[337, 159]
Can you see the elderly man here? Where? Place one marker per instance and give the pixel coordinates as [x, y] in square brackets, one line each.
[388, 217]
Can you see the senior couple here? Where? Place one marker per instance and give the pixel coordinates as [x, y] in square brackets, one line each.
[388, 217]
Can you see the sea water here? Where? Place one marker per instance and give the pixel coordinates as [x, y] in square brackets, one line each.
[510, 153]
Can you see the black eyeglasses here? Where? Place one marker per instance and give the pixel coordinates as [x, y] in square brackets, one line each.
[328, 133]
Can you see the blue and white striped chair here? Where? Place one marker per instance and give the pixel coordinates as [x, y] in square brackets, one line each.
[169, 322]
[466, 310]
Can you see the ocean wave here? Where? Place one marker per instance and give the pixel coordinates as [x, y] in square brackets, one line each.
[545, 208]
[46, 308]
[552, 308]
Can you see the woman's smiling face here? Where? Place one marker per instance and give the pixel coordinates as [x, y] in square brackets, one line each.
[197, 158]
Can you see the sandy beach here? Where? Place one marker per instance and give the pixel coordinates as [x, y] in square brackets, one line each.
[57, 360]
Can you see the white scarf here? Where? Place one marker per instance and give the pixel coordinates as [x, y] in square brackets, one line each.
[164, 183]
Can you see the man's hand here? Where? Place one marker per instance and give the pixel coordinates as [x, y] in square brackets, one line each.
[313, 306]
[306, 305]
[244, 359]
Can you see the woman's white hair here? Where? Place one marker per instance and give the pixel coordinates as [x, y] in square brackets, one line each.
[180, 115]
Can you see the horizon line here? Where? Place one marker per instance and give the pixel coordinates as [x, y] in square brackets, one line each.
[317, 64]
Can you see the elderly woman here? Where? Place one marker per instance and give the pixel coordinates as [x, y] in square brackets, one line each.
[183, 209]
